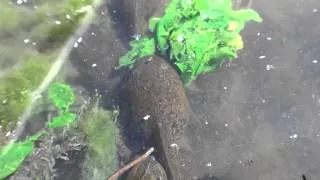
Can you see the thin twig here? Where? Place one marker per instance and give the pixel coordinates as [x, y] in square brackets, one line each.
[125, 168]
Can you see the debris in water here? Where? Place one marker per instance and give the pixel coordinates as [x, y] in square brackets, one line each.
[174, 145]
[269, 67]
[26, 41]
[146, 117]
[294, 136]
[262, 57]
[79, 40]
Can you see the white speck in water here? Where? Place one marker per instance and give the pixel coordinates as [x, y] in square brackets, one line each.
[102, 12]
[114, 11]
[35, 7]
[315, 61]
[318, 135]
[146, 117]
[94, 65]
[174, 145]
[225, 87]
[262, 57]
[0, 126]
[206, 123]
[57, 22]
[264, 101]
[25, 1]
[68, 16]
[79, 40]
[294, 136]
[269, 67]
[314, 10]
[8, 133]
[269, 38]
[258, 34]
[226, 125]
[93, 34]
[209, 164]
[4, 101]
[313, 96]
[34, 43]
[19, 1]
[75, 45]
[240, 162]
[137, 36]
[26, 41]
[180, 38]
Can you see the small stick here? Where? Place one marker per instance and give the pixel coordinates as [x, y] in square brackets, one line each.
[125, 168]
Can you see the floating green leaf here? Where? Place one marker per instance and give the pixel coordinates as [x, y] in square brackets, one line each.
[61, 95]
[13, 154]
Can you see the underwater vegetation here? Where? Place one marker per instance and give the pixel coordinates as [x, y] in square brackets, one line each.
[13, 154]
[101, 133]
[25, 28]
[197, 36]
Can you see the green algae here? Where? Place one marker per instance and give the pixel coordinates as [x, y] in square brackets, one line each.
[24, 30]
[100, 128]
[197, 36]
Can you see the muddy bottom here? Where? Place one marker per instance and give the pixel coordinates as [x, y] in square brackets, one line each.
[259, 116]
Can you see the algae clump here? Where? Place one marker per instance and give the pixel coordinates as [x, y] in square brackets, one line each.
[197, 36]
[101, 131]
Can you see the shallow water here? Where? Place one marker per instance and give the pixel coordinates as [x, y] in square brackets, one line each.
[256, 119]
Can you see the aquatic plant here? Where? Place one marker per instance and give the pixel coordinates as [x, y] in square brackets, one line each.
[196, 35]
[101, 131]
[61, 96]
[13, 154]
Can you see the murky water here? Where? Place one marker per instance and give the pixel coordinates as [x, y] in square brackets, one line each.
[254, 119]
